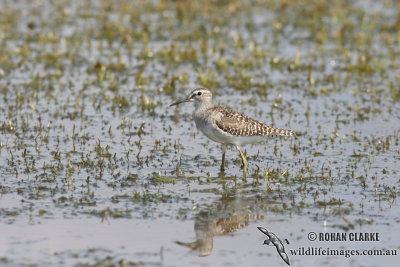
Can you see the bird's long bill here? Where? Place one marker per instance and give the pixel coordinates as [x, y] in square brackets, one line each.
[179, 101]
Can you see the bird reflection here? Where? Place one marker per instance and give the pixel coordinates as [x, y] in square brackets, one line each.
[227, 218]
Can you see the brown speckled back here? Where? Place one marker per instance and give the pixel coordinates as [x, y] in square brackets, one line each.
[238, 124]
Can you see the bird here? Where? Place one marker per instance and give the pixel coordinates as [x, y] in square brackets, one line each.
[273, 240]
[227, 126]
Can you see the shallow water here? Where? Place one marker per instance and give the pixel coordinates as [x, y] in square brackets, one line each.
[97, 169]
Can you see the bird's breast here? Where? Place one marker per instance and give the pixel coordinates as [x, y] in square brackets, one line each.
[205, 124]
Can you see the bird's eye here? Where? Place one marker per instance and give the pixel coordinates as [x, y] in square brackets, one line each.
[199, 93]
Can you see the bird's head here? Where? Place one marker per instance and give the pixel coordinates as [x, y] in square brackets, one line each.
[198, 96]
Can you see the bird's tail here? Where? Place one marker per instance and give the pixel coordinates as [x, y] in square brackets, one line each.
[282, 132]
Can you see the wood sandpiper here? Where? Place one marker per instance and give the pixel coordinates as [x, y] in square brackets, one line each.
[227, 126]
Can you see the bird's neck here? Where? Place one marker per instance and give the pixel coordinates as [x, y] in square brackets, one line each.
[202, 106]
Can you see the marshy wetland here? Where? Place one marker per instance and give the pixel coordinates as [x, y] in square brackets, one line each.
[98, 170]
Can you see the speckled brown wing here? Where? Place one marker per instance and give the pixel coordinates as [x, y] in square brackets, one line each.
[238, 124]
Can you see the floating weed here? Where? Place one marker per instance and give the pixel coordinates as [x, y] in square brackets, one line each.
[207, 79]
[147, 104]
[121, 102]
[159, 178]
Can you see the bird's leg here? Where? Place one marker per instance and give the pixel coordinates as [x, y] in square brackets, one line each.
[223, 158]
[243, 160]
